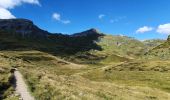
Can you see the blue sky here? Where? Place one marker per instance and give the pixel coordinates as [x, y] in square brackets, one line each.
[142, 19]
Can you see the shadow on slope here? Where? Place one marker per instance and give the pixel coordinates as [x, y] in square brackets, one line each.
[57, 44]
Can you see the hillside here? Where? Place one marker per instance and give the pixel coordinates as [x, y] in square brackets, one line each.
[116, 49]
[19, 34]
[87, 47]
[153, 43]
[90, 47]
[161, 51]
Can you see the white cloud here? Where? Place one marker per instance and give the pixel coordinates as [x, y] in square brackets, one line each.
[31, 2]
[5, 5]
[5, 14]
[57, 17]
[144, 29]
[9, 4]
[164, 29]
[101, 16]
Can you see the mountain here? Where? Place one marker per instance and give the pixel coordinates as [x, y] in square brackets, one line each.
[24, 30]
[84, 47]
[23, 27]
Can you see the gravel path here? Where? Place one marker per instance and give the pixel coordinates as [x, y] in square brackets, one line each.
[21, 87]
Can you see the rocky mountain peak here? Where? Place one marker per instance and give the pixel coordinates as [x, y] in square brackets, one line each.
[93, 30]
[89, 32]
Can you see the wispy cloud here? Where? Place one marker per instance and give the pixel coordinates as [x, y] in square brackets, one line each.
[144, 29]
[117, 19]
[164, 29]
[101, 16]
[57, 17]
[5, 5]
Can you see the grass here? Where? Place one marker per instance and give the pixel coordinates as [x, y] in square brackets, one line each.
[6, 89]
[153, 74]
[52, 78]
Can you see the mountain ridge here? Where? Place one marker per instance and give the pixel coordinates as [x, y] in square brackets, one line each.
[23, 27]
[87, 45]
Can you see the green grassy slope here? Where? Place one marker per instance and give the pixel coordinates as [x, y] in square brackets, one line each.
[6, 78]
[52, 78]
[161, 51]
[121, 45]
[153, 43]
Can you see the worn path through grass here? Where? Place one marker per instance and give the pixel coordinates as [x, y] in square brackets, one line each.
[21, 87]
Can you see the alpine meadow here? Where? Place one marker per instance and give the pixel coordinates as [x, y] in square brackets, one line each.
[107, 50]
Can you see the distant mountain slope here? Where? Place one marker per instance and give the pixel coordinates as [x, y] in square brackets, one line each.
[121, 45]
[89, 46]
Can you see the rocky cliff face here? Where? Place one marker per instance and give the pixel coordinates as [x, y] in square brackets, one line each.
[23, 27]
